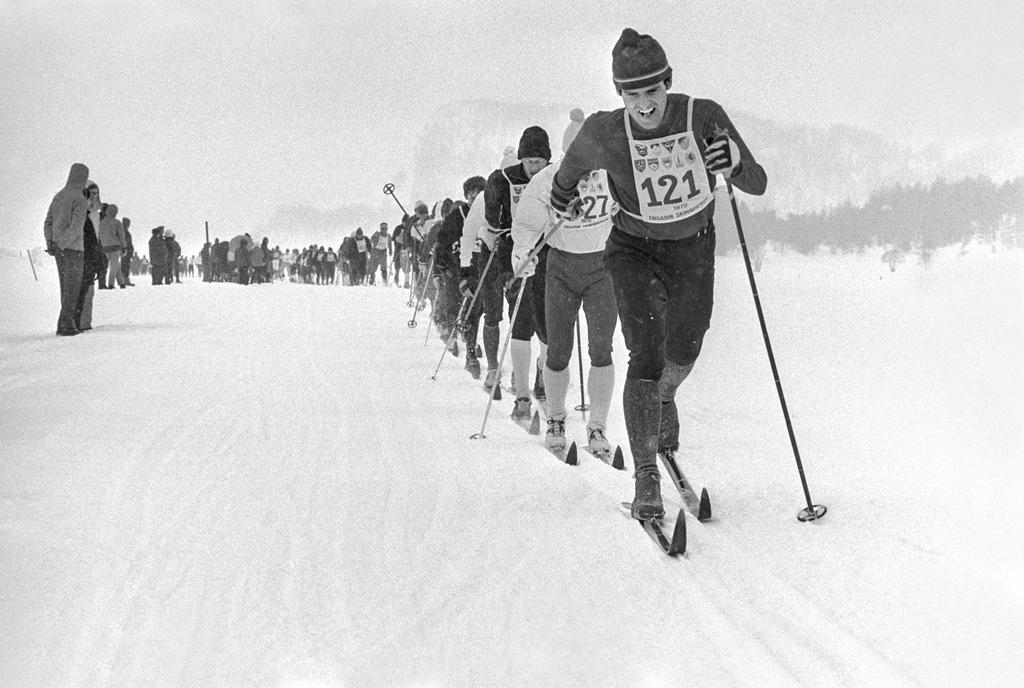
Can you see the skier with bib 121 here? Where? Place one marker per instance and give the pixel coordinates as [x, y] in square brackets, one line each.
[662, 152]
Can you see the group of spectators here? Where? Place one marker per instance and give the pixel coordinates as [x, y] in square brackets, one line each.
[87, 241]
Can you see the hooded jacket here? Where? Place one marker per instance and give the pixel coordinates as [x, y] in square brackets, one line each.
[111, 231]
[66, 215]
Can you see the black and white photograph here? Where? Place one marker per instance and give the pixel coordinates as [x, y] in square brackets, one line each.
[459, 344]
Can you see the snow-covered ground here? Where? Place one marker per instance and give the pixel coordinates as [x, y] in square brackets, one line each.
[259, 486]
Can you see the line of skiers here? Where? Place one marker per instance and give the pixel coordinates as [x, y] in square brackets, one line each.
[621, 227]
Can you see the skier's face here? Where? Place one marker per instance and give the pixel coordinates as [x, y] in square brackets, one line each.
[646, 106]
[532, 166]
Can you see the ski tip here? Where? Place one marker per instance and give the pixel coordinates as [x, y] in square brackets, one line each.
[535, 424]
[678, 545]
[497, 393]
[704, 510]
[572, 456]
[618, 463]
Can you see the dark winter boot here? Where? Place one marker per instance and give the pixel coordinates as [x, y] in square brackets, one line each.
[472, 364]
[492, 335]
[647, 495]
[641, 405]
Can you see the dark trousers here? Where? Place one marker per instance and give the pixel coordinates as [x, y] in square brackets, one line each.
[530, 318]
[70, 266]
[158, 273]
[665, 293]
[575, 279]
[492, 291]
[359, 269]
[126, 266]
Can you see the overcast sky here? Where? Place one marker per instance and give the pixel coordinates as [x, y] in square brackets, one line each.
[186, 111]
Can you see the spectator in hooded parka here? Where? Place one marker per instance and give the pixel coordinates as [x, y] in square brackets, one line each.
[113, 244]
[63, 232]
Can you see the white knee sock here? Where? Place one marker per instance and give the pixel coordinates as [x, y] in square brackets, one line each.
[600, 381]
[520, 352]
[556, 386]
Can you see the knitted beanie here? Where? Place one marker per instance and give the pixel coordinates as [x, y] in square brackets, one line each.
[638, 61]
[534, 144]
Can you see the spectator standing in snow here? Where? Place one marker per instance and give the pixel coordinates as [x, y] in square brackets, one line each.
[158, 254]
[173, 254]
[129, 252]
[63, 232]
[94, 268]
[113, 244]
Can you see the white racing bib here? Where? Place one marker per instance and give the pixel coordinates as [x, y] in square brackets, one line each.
[669, 174]
[515, 192]
[596, 203]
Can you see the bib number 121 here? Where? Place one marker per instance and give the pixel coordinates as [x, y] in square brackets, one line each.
[671, 182]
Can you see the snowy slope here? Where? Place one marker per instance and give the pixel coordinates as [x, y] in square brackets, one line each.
[259, 486]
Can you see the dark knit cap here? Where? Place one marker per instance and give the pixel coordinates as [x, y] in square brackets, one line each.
[473, 184]
[638, 61]
[534, 144]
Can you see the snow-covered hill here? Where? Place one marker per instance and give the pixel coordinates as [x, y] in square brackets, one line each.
[259, 486]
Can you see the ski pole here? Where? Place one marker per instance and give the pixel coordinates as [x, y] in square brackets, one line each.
[813, 511]
[389, 190]
[454, 333]
[583, 407]
[501, 359]
[32, 263]
[419, 296]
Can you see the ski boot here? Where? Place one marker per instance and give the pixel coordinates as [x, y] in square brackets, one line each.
[598, 443]
[647, 503]
[472, 364]
[522, 412]
[492, 383]
[554, 438]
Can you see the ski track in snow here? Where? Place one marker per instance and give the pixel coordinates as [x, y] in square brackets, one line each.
[259, 486]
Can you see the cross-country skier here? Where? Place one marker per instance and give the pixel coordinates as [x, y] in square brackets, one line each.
[501, 196]
[575, 276]
[446, 268]
[661, 152]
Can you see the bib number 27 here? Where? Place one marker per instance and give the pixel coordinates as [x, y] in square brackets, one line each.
[669, 182]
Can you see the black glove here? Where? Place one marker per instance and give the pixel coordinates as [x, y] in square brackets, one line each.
[722, 156]
[51, 247]
[468, 281]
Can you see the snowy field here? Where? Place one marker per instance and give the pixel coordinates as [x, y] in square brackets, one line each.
[259, 486]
